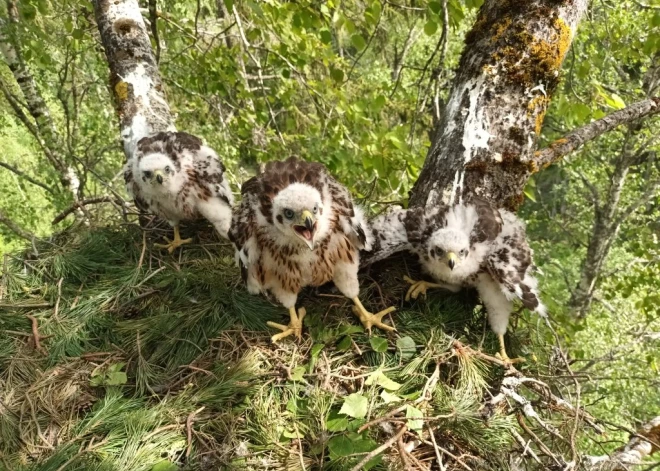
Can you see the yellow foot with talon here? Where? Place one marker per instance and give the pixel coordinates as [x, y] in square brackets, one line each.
[294, 327]
[418, 287]
[370, 320]
[172, 245]
[502, 355]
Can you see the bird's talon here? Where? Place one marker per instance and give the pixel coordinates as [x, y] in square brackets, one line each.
[370, 320]
[416, 288]
[293, 328]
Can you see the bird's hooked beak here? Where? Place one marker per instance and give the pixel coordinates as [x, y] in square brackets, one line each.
[306, 228]
[158, 175]
[451, 260]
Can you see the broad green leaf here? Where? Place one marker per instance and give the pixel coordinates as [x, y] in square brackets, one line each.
[115, 367]
[379, 344]
[116, 378]
[164, 465]
[413, 412]
[344, 344]
[379, 103]
[406, 347]
[340, 445]
[355, 405]
[358, 41]
[616, 102]
[77, 33]
[336, 422]
[388, 397]
[337, 74]
[297, 373]
[430, 27]
[326, 36]
[435, 7]
[380, 379]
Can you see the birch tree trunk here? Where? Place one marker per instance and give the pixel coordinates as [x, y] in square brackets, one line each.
[487, 138]
[134, 77]
[43, 128]
[642, 445]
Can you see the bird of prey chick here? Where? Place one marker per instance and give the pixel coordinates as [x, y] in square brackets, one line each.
[176, 177]
[295, 227]
[472, 245]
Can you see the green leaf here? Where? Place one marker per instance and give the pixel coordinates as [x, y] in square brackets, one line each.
[337, 74]
[406, 347]
[430, 28]
[77, 33]
[336, 423]
[115, 367]
[358, 41]
[164, 466]
[379, 378]
[388, 397]
[326, 36]
[316, 349]
[344, 344]
[292, 434]
[616, 102]
[340, 446]
[379, 344]
[355, 405]
[379, 103]
[435, 7]
[413, 412]
[116, 378]
[297, 373]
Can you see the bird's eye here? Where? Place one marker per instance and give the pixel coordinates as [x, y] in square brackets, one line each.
[167, 169]
[463, 253]
[316, 209]
[439, 252]
[147, 174]
[288, 214]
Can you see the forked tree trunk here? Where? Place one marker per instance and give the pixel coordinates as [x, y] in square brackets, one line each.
[134, 77]
[486, 141]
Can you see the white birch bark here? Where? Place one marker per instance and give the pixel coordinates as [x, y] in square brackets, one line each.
[487, 136]
[134, 77]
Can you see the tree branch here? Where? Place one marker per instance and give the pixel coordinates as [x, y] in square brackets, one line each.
[21, 174]
[577, 138]
[15, 228]
[641, 445]
[79, 204]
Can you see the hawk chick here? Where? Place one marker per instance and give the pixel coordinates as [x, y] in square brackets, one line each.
[295, 227]
[176, 177]
[470, 245]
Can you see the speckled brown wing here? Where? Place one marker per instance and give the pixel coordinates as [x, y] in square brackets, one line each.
[489, 224]
[421, 223]
[510, 264]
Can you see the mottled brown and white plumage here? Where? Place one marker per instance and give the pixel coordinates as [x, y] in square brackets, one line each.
[469, 245]
[176, 177]
[296, 226]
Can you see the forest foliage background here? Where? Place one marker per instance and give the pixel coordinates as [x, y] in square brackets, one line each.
[359, 86]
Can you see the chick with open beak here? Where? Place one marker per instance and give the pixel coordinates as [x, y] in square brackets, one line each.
[306, 229]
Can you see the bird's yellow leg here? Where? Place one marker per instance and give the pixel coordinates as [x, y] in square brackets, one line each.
[502, 355]
[370, 320]
[418, 287]
[172, 245]
[294, 327]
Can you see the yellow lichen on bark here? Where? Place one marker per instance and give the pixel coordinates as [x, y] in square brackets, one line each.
[121, 90]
